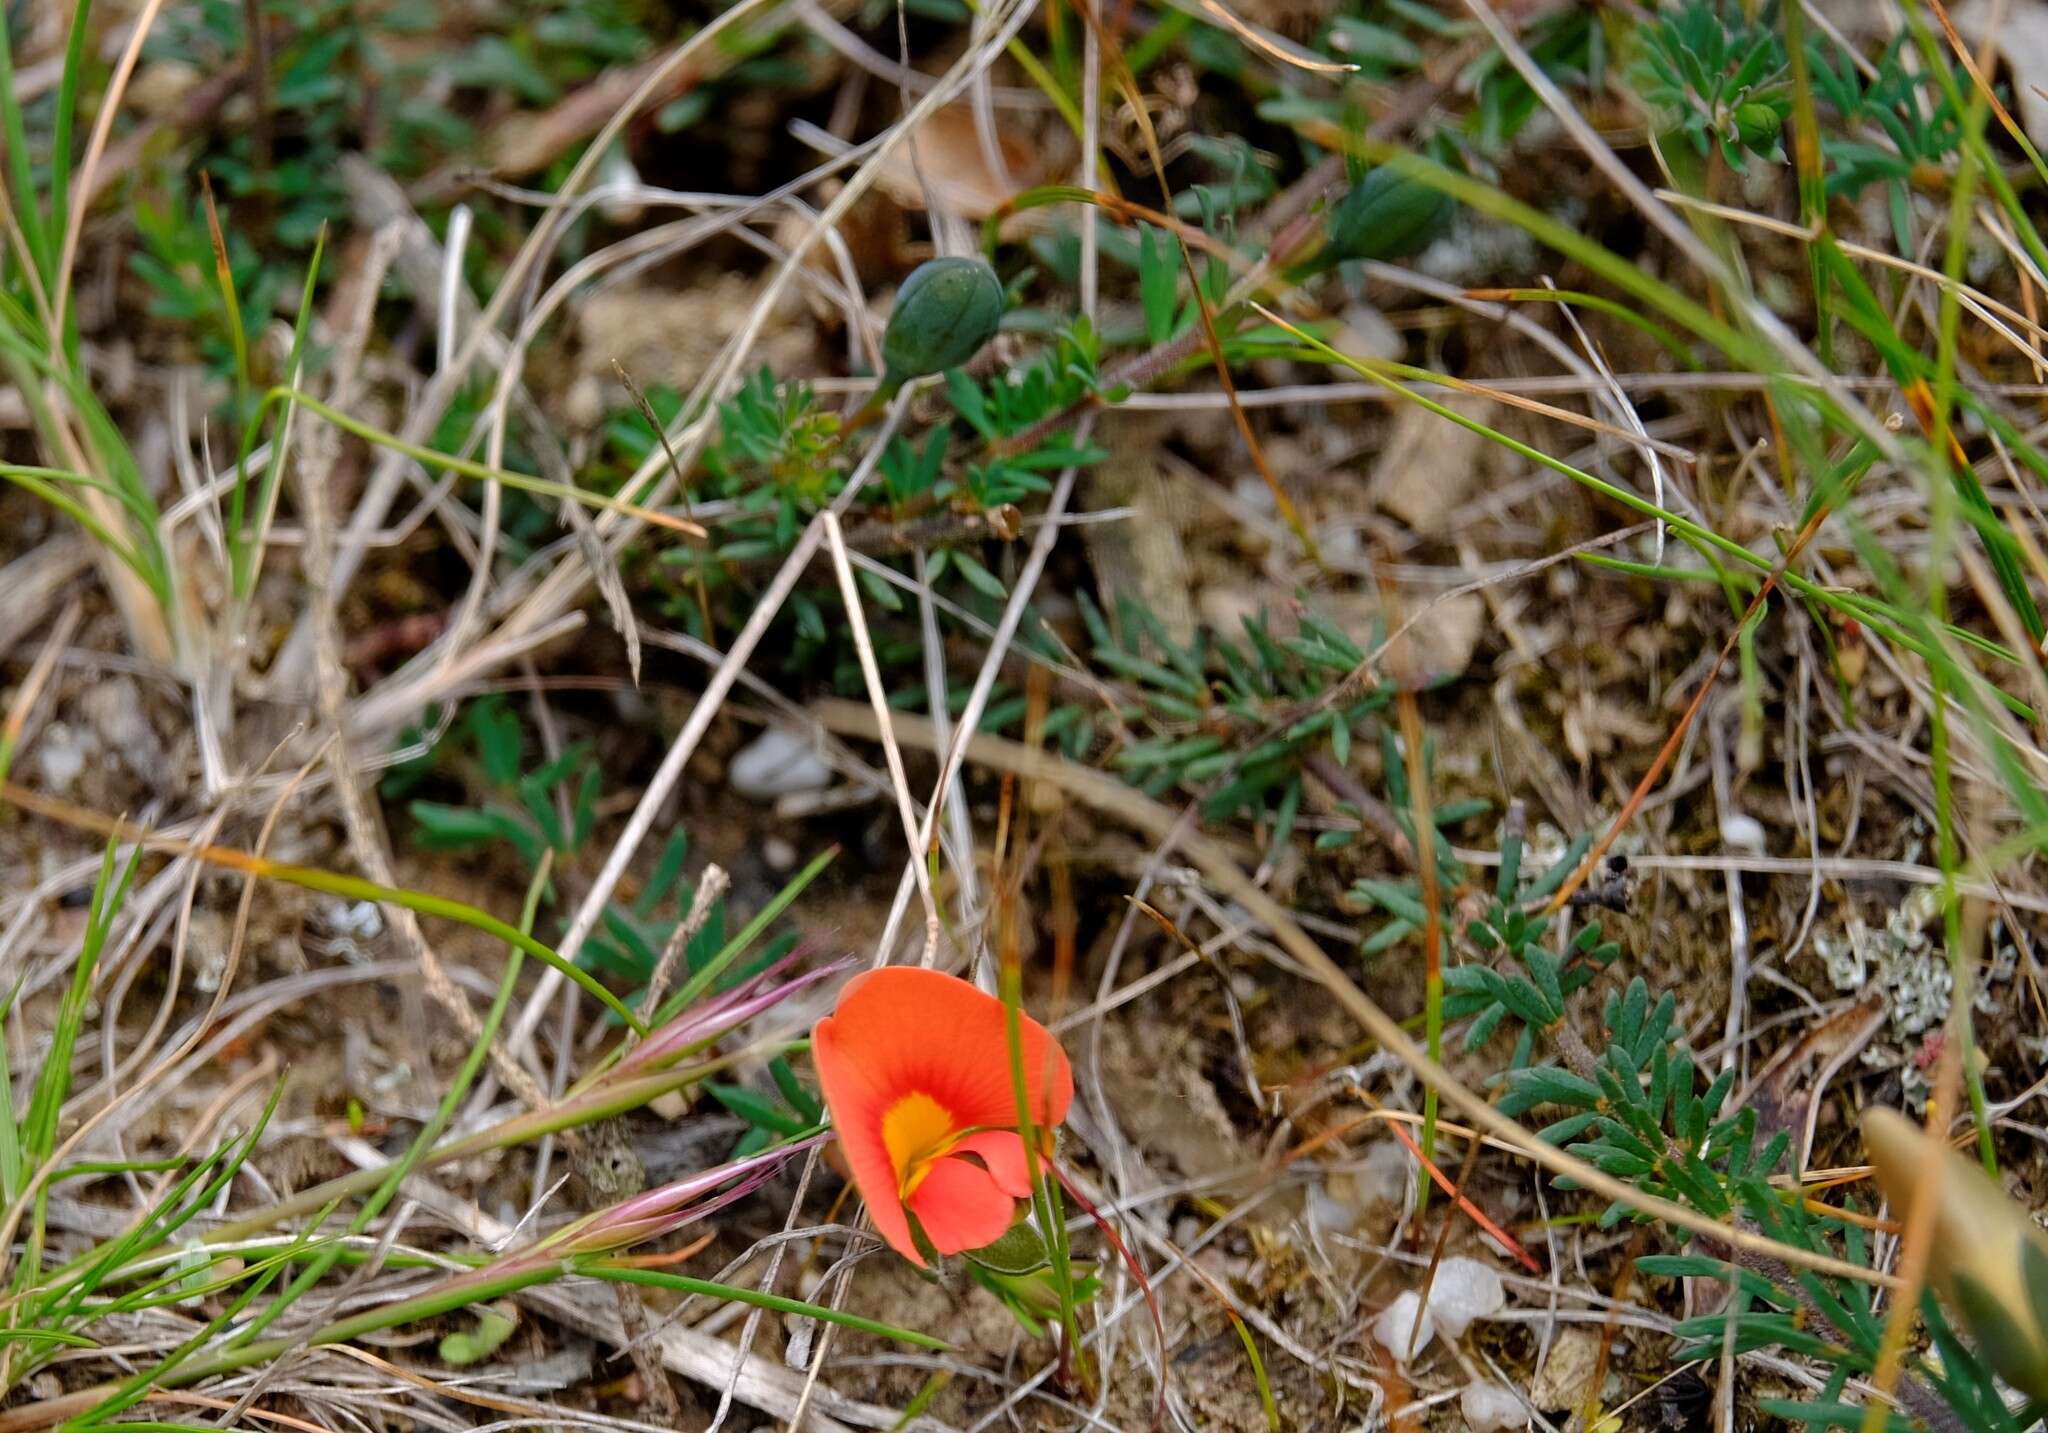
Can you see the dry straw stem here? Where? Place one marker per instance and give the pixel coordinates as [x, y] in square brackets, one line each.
[906, 805]
[31, 688]
[1111, 797]
[315, 878]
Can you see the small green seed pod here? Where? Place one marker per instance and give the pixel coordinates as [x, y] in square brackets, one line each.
[945, 311]
[1387, 215]
[1757, 126]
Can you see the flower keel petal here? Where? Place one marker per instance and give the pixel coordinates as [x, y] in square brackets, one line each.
[960, 1206]
[1002, 1151]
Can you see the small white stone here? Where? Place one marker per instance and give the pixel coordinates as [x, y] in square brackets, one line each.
[1488, 1408]
[619, 184]
[1464, 1290]
[778, 762]
[361, 919]
[1742, 832]
[62, 756]
[1388, 1173]
[1326, 1213]
[1252, 491]
[779, 854]
[1395, 1327]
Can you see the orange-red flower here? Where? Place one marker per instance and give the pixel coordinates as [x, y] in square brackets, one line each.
[916, 1069]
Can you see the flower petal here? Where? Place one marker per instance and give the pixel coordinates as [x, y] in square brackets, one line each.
[960, 1206]
[901, 1031]
[1003, 1153]
[920, 1030]
[857, 1110]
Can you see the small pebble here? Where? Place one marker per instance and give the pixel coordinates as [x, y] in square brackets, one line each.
[1489, 1407]
[778, 762]
[1253, 493]
[1742, 832]
[61, 755]
[1395, 1327]
[620, 183]
[1464, 1290]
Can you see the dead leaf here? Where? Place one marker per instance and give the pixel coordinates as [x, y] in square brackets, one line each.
[1433, 640]
[668, 336]
[950, 161]
[527, 142]
[1427, 468]
[1566, 1378]
[1786, 1093]
[1143, 559]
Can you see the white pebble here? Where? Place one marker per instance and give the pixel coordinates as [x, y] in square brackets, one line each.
[1464, 1290]
[1395, 1327]
[1489, 1407]
[62, 756]
[1742, 832]
[1253, 493]
[778, 762]
[362, 919]
[1387, 1175]
[779, 854]
[619, 182]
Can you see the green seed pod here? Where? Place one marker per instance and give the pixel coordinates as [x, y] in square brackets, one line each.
[1387, 215]
[1757, 125]
[945, 311]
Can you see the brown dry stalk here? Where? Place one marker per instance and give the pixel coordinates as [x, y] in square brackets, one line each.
[711, 889]
[31, 688]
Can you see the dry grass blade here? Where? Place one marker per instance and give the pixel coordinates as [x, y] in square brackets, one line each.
[35, 683]
[88, 170]
[1286, 52]
[1453, 1188]
[864, 649]
[1915, 1247]
[1975, 68]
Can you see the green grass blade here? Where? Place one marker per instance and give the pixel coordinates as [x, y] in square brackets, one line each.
[684, 1284]
[248, 551]
[54, 1084]
[60, 150]
[10, 1133]
[428, 1134]
[28, 209]
[701, 980]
